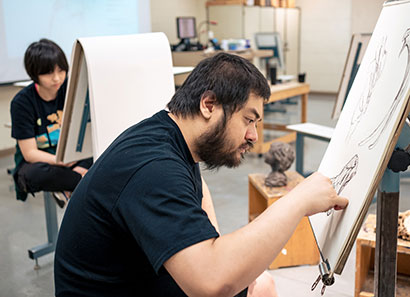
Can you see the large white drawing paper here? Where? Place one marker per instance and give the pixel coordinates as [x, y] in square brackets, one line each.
[129, 78]
[372, 113]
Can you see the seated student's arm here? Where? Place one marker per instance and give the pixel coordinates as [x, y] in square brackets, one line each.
[32, 154]
[226, 265]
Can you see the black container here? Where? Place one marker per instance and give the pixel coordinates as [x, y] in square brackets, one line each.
[272, 75]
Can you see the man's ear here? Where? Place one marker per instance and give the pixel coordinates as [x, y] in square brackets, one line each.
[207, 104]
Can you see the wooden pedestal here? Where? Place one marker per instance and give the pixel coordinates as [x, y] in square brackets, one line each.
[365, 247]
[301, 248]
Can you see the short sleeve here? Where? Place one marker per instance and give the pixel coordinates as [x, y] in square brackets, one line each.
[161, 208]
[23, 120]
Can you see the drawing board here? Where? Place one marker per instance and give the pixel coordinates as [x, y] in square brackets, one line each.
[367, 131]
[114, 83]
[358, 45]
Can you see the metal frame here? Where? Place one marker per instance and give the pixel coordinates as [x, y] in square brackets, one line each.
[300, 144]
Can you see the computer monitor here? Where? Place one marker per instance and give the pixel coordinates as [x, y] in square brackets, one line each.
[186, 27]
[271, 40]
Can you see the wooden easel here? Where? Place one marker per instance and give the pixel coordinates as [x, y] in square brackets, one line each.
[385, 269]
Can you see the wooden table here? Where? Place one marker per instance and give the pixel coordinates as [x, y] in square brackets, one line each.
[365, 249]
[280, 92]
[301, 248]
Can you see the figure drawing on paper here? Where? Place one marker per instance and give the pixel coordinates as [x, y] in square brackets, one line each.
[375, 69]
[373, 138]
[341, 180]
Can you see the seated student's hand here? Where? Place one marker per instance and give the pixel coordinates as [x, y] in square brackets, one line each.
[80, 170]
[316, 194]
[59, 163]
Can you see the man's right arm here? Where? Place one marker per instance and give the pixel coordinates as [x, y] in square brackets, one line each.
[226, 265]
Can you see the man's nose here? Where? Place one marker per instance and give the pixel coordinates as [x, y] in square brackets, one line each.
[252, 134]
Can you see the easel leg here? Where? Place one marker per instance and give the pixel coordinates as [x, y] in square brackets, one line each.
[385, 270]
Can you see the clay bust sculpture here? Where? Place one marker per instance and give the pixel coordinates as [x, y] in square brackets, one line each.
[280, 156]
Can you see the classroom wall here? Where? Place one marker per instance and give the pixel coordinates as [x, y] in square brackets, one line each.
[327, 26]
[6, 94]
[164, 14]
[370, 9]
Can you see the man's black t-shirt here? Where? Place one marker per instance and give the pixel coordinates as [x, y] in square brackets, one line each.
[137, 206]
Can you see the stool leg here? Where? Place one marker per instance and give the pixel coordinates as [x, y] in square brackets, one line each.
[36, 266]
[52, 231]
[51, 218]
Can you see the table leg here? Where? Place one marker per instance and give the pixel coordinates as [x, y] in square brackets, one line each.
[304, 108]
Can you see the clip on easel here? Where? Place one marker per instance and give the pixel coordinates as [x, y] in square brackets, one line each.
[385, 266]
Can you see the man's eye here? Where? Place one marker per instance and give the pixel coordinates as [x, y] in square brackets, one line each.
[250, 121]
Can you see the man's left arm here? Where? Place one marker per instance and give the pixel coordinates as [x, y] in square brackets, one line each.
[208, 205]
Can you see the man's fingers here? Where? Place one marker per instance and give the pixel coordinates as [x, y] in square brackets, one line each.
[342, 203]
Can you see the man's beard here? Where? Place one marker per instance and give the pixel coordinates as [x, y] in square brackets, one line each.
[215, 149]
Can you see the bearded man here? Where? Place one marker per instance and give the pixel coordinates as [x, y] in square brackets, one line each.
[142, 222]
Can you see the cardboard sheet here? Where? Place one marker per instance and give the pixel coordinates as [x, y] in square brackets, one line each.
[128, 78]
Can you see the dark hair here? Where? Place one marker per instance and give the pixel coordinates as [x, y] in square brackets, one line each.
[42, 56]
[229, 77]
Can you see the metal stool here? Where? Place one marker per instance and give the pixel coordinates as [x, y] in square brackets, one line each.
[52, 231]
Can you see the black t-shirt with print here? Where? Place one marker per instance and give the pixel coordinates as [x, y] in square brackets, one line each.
[32, 116]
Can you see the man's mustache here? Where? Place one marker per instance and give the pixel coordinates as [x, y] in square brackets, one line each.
[248, 145]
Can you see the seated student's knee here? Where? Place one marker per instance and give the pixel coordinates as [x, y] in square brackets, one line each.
[36, 172]
[35, 176]
[263, 286]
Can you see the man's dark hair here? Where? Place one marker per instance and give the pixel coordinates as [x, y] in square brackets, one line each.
[229, 78]
[42, 56]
